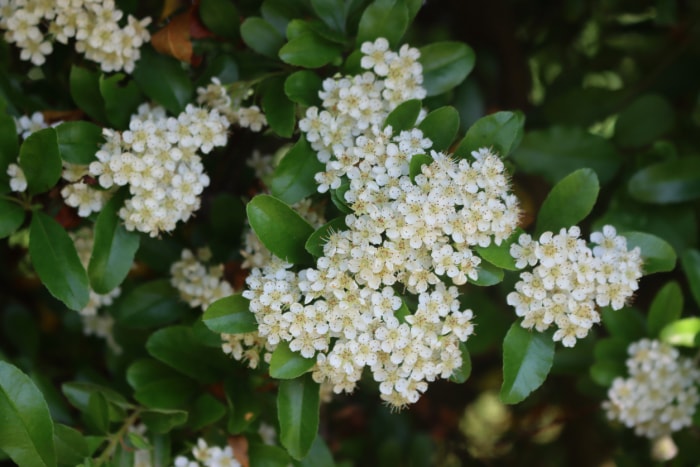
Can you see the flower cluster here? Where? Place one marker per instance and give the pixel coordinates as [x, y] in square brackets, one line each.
[32, 24]
[198, 284]
[208, 456]
[95, 323]
[216, 96]
[660, 395]
[409, 234]
[569, 279]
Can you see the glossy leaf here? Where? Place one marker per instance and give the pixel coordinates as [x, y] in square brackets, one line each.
[626, 323]
[11, 217]
[302, 87]
[387, 19]
[569, 201]
[56, 262]
[293, 179]
[556, 152]
[645, 120]
[71, 446]
[287, 364]
[682, 332]
[78, 394]
[445, 65]
[462, 373]
[657, 254]
[113, 250]
[488, 275]
[230, 315]
[499, 255]
[163, 79]
[666, 307]
[261, 36]
[205, 411]
[502, 131]
[26, 431]
[298, 413]
[331, 12]
[404, 116]
[85, 91]
[318, 239]
[441, 126]
[121, 96]
[97, 413]
[220, 17]
[309, 50]
[157, 385]
[79, 141]
[417, 163]
[40, 160]
[150, 304]
[318, 456]
[672, 181]
[266, 214]
[691, 266]
[527, 359]
[266, 455]
[279, 110]
[162, 420]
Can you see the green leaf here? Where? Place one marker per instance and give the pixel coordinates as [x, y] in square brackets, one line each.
[298, 413]
[302, 87]
[40, 160]
[569, 201]
[527, 359]
[626, 323]
[388, 19]
[502, 131]
[666, 307]
[266, 215]
[205, 411]
[265, 455]
[279, 110]
[309, 50]
[220, 17]
[79, 141]
[462, 373]
[681, 332]
[416, 165]
[9, 147]
[161, 420]
[151, 304]
[331, 12]
[177, 347]
[97, 413]
[113, 250]
[163, 79]
[26, 431]
[293, 179]
[318, 456]
[57, 263]
[658, 255]
[158, 385]
[672, 181]
[690, 261]
[556, 152]
[85, 91]
[71, 446]
[441, 126]
[78, 394]
[122, 97]
[499, 255]
[11, 217]
[318, 239]
[635, 128]
[604, 372]
[286, 364]
[404, 116]
[488, 275]
[230, 315]
[261, 36]
[445, 65]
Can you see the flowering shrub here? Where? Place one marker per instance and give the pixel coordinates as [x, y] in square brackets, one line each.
[284, 233]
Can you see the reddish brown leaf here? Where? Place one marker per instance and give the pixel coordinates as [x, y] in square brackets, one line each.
[239, 444]
[174, 38]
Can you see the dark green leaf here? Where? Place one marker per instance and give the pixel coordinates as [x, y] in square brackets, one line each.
[309, 50]
[220, 17]
[78, 394]
[151, 304]
[161, 420]
[9, 147]
[157, 385]
[462, 373]
[488, 275]
[57, 263]
[286, 364]
[163, 79]
[318, 456]
[261, 36]
[558, 151]
[11, 217]
[266, 214]
[97, 413]
[527, 359]
[682, 332]
[85, 91]
[502, 131]
[293, 179]
[658, 255]
[279, 110]
[671, 181]
[569, 201]
[265, 455]
[404, 116]
[666, 307]
[417, 163]
[113, 250]
[205, 411]
[445, 65]
[691, 266]
[604, 372]
[499, 255]
[40, 160]
[635, 128]
[302, 87]
[298, 413]
[388, 19]
[626, 323]
[79, 141]
[331, 12]
[122, 97]
[318, 239]
[230, 315]
[71, 446]
[26, 431]
[441, 126]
